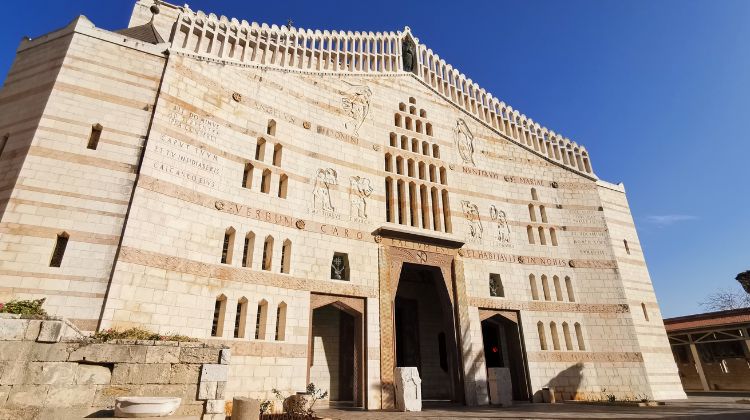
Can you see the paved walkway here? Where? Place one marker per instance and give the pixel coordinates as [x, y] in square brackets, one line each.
[699, 406]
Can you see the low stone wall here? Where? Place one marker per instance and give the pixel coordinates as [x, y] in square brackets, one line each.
[48, 368]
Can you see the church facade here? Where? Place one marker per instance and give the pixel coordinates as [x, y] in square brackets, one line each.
[331, 205]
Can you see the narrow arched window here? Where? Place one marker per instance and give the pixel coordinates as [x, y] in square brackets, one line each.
[260, 149]
[394, 140]
[410, 168]
[265, 181]
[271, 128]
[240, 318]
[283, 183]
[280, 333]
[227, 246]
[436, 212]
[389, 213]
[402, 107]
[413, 110]
[569, 287]
[532, 285]
[566, 334]
[534, 195]
[433, 174]
[530, 234]
[422, 171]
[558, 288]
[443, 176]
[422, 113]
[397, 120]
[555, 337]
[388, 162]
[553, 236]
[542, 335]
[645, 312]
[542, 238]
[409, 125]
[413, 205]
[267, 253]
[247, 250]
[404, 143]
[401, 197]
[59, 251]
[545, 288]
[447, 212]
[415, 145]
[261, 318]
[425, 148]
[277, 150]
[627, 248]
[399, 165]
[532, 213]
[418, 126]
[96, 133]
[425, 199]
[436, 151]
[286, 256]
[579, 336]
[220, 308]
[247, 176]
[428, 129]
[543, 213]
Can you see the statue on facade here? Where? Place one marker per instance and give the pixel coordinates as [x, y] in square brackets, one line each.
[408, 54]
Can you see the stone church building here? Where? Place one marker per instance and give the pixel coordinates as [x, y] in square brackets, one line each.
[331, 205]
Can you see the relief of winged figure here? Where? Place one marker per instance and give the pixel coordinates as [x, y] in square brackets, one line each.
[464, 142]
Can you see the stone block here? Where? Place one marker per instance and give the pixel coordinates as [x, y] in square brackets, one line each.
[13, 373]
[50, 332]
[185, 374]
[13, 329]
[106, 394]
[132, 373]
[207, 390]
[32, 329]
[93, 375]
[162, 354]
[214, 373]
[220, 388]
[215, 406]
[408, 389]
[4, 392]
[225, 356]
[244, 408]
[55, 352]
[501, 388]
[14, 350]
[198, 355]
[70, 396]
[51, 373]
[109, 353]
[27, 396]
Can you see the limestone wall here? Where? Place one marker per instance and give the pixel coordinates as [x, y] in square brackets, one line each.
[48, 368]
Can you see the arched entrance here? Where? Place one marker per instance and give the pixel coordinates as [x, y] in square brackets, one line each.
[335, 356]
[425, 332]
[503, 348]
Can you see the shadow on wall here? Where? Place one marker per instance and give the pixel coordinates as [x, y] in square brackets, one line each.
[565, 384]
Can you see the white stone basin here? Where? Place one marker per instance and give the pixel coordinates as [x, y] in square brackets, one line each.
[146, 406]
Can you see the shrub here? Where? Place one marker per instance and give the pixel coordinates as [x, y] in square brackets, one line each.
[30, 308]
[137, 333]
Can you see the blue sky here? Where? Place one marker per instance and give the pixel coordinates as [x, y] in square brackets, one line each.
[658, 91]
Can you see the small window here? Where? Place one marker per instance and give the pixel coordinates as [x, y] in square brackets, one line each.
[260, 320]
[627, 248]
[543, 213]
[247, 176]
[240, 318]
[402, 106]
[265, 181]
[436, 151]
[96, 133]
[283, 182]
[566, 334]
[545, 288]
[558, 288]
[228, 244]
[280, 322]
[542, 238]
[267, 253]
[247, 251]
[412, 100]
[579, 337]
[555, 337]
[534, 195]
[532, 285]
[271, 128]
[532, 214]
[397, 120]
[286, 256]
[569, 287]
[542, 335]
[260, 149]
[496, 286]
[340, 266]
[553, 236]
[645, 312]
[220, 308]
[59, 251]
[277, 150]
[428, 130]
[530, 234]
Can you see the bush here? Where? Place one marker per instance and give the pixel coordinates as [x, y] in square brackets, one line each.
[29, 308]
[137, 333]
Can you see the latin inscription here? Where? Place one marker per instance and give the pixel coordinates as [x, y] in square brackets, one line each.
[186, 161]
[253, 213]
[338, 135]
[193, 123]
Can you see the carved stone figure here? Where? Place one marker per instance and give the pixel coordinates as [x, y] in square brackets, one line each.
[360, 189]
[503, 229]
[338, 268]
[471, 212]
[321, 192]
[464, 141]
[408, 54]
[408, 386]
[357, 106]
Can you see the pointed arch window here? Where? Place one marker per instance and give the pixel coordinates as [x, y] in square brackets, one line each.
[280, 332]
[267, 253]
[545, 288]
[277, 151]
[542, 335]
[247, 250]
[558, 288]
[579, 337]
[261, 317]
[271, 128]
[247, 176]
[566, 334]
[260, 149]
[283, 185]
[227, 246]
[555, 337]
[240, 318]
[96, 133]
[569, 287]
[59, 251]
[220, 308]
[532, 285]
[286, 256]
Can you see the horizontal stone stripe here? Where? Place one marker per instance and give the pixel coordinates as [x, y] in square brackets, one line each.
[16, 290]
[621, 223]
[243, 275]
[534, 306]
[70, 194]
[69, 208]
[573, 356]
[7, 128]
[7, 96]
[249, 347]
[102, 96]
[35, 71]
[109, 77]
[75, 158]
[52, 276]
[478, 254]
[51, 233]
[88, 124]
[632, 261]
[73, 58]
[84, 137]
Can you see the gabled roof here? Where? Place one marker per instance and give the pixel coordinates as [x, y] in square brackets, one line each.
[146, 33]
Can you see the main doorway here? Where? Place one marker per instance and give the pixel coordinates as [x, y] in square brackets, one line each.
[425, 333]
[503, 349]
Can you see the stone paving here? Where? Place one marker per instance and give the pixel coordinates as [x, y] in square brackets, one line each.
[696, 406]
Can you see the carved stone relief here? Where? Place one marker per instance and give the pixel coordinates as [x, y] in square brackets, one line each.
[464, 142]
[471, 212]
[503, 229]
[321, 191]
[359, 191]
[357, 107]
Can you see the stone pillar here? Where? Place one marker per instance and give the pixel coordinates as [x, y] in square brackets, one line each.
[408, 386]
[387, 363]
[699, 367]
